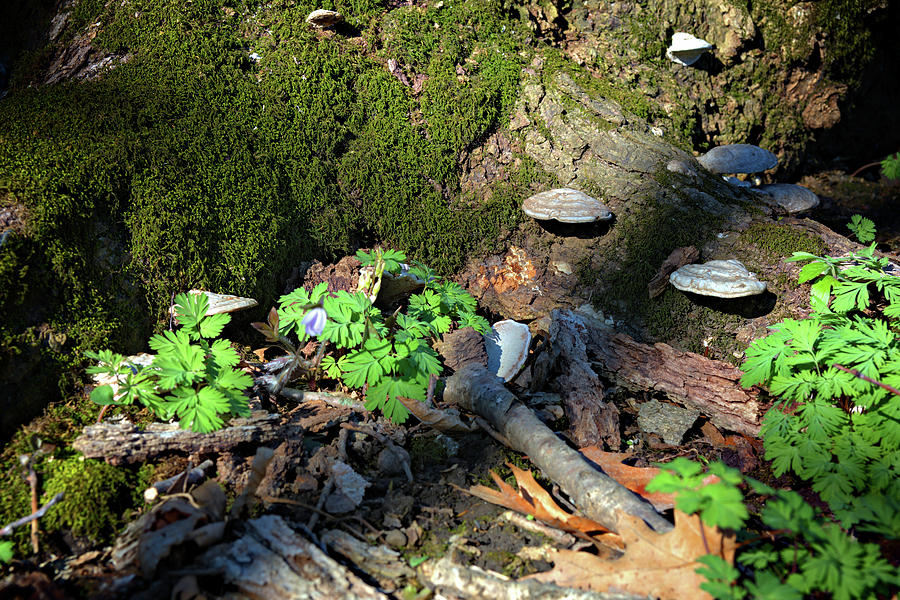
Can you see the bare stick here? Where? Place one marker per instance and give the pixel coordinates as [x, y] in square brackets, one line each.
[8, 529]
[597, 495]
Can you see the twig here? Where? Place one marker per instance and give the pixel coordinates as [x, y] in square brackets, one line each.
[8, 529]
[864, 167]
[856, 373]
[32, 480]
[329, 485]
[273, 500]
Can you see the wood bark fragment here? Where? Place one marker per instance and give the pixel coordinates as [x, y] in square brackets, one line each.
[458, 581]
[677, 259]
[710, 386]
[598, 496]
[592, 421]
[125, 443]
[272, 562]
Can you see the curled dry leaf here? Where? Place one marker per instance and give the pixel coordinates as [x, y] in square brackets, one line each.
[658, 565]
[534, 500]
[446, 421]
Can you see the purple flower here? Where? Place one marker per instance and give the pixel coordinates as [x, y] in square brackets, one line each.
[314, 321]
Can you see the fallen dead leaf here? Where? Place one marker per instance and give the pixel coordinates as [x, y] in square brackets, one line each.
[658, 565]
[634, 478]
[534, 500]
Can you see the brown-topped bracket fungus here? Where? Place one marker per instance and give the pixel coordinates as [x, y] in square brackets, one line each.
[719, 278]
[507, 348]
[686, 49]
[222, 303]
[322, 18]
[567, 206]
[790, 197]
[738, 158]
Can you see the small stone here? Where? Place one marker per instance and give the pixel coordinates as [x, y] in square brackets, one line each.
[322, 18]
[792, 198]
[719, 278]
[667, 420]
[738, 158]
[567, 206]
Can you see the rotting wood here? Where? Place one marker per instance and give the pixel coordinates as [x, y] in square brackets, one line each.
[457, 580]
[598, 496]
[272, 562]
[592, 420]
[125, 443]
[710, 386]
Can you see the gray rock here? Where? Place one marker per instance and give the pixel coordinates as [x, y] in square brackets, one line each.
[667, 420]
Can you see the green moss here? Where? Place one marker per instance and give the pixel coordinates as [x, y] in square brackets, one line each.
[192, 166]
[96, 497]
[779, 241]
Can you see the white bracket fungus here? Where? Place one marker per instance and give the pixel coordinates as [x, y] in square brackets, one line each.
[719, 278]
[738, 158]
[566, 205]
[686, 49]
[322, 18]
[792, 198]
[507, 348]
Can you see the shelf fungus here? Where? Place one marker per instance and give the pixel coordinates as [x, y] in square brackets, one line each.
[790, 197]
[719, 278]
[686, 49]
[507, 348]
[322, 18]
[738, 158]
[567, 206]
[222, 303]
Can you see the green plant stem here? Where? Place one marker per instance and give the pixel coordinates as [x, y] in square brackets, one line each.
[856, 373]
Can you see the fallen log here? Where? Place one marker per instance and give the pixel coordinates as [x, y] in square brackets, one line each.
[125, 443]
[272, 562]
[710, 386]
[456, 580]
[598, 496]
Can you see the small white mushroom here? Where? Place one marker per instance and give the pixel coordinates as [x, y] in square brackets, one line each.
[322, 18]
[566, 205]
[738, 158]
[222, 303]
[507, 348]
[720, 278]
[792, 198]
[682, 167]
[686, 49]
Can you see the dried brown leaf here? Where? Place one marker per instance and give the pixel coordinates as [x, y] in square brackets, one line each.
[657, 565]
[534, 500]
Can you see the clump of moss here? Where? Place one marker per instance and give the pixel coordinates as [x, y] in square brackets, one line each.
[96, 495]
[779, 241]
[191, 165]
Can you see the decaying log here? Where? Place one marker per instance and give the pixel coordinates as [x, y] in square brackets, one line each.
[710, 386]
[598, 496]
[592, 421]
[272, 562]
[457, 580]
[125, 443]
